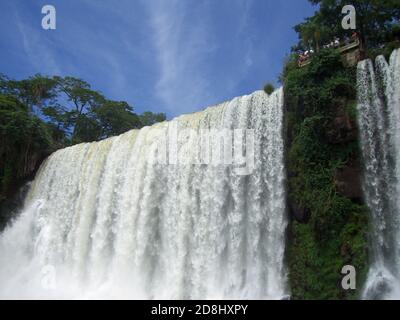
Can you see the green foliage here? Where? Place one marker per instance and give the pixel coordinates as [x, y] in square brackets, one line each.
[33, 92]
[41, 114]
[75, 112]
[315, 268]
[269, 88]
[386, 50]
[116, 117]
[23, 137]
[149, 118]
[319, 85]
[351, 110]
[376, 21]
[313, 33]
[335, 234]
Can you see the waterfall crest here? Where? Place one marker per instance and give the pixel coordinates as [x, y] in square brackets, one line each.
[110, 219]
[379, 123]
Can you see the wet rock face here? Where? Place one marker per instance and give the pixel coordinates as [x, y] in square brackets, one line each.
[348, 180]
[341, 130]
[13, 194]
[300, 214]
[10, 208]
[351, 58]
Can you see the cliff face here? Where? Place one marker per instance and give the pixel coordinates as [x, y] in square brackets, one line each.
[328, 218]
[25, 142]
[15, 182]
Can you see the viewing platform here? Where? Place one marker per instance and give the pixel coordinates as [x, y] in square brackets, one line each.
[350, 52]
[349, 46]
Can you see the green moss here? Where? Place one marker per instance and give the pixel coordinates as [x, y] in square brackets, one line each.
[335, 234]
[351, 111]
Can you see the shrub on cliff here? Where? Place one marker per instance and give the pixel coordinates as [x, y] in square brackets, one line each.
[269, 88]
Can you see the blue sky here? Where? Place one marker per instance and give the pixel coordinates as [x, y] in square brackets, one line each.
[160, 55]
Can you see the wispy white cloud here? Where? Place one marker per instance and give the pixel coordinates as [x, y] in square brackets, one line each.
[182, 49]
[245, 45]
[37, 49]
[244, 7]
[55, 52]
[175, 56]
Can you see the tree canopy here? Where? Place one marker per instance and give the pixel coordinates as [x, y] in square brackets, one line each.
[41, 114]
[376, 21]
[73, 110]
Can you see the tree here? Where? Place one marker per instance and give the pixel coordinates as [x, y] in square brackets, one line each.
[40, 114]
[394, 34]
[84, 101]
[375, 18]
[116, 117]
[73, 111]
[313, 33]
[33, 92]
[25, 140]
[150, 118]
[79, 93]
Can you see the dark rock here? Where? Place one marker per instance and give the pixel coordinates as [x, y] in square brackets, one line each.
[301, 214]
[351, 58]
[11, 207]
[341, 130]
[12, 199]
[348, 180]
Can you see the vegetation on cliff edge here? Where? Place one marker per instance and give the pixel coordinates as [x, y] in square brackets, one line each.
[41, 114]
[330, 231]
[329, 220]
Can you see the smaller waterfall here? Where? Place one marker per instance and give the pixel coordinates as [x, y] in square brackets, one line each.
[379, 123]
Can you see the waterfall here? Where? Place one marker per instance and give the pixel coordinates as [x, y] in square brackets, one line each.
[151, 215]
[379, 123]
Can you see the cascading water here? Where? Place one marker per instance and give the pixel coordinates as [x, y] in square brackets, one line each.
[379, 122]
[111, 220]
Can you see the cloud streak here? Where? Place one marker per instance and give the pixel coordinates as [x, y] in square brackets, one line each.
[37, 49]
[174, 56]
[182, 49]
